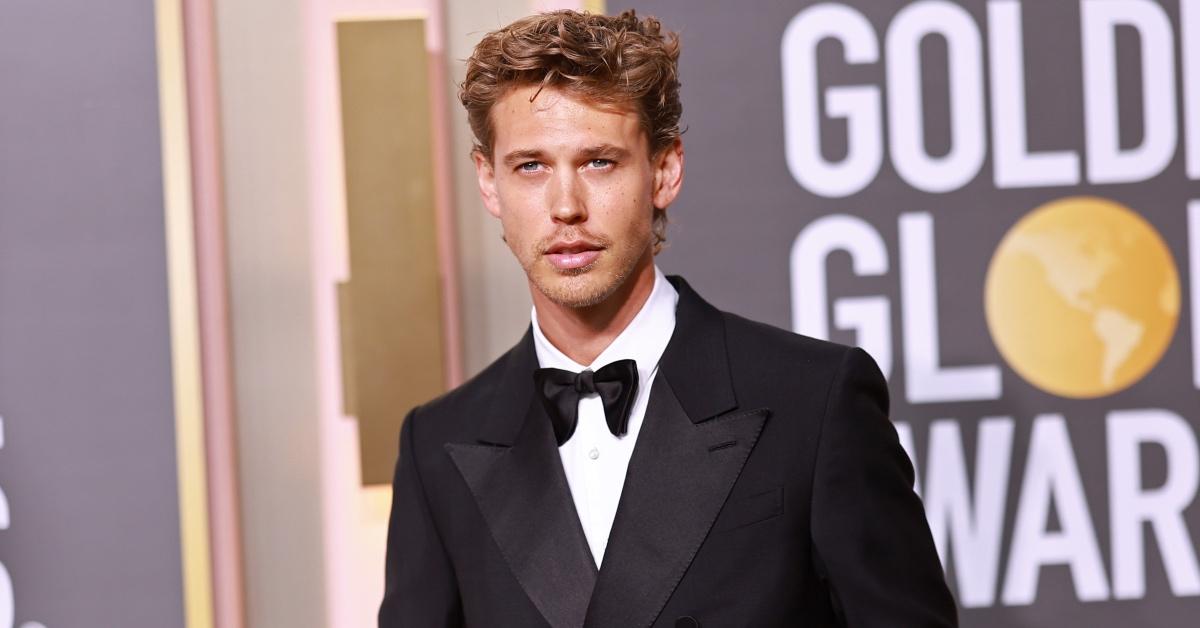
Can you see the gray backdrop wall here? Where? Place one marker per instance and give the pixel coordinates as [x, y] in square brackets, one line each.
[87, 460]
[995, 199]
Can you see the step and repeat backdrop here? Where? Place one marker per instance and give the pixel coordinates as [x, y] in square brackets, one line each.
[1000, 201]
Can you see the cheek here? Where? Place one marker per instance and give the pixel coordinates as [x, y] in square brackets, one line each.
[512, 228]
[520, 229]
[512, 211]
[630, 199]
[632, 220]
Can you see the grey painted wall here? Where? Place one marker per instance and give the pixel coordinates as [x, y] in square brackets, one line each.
[88, 461]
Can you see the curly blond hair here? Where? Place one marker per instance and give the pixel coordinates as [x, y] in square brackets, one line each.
[622, 60]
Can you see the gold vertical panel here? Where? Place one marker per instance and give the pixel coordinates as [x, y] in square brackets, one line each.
[184, 315]
[391, 306]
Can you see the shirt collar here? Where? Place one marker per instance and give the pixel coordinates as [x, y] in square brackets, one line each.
[643, 340]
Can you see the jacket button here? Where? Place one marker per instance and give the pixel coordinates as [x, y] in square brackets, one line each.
[687, 621]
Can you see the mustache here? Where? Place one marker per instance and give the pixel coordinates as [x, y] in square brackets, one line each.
[573, 234]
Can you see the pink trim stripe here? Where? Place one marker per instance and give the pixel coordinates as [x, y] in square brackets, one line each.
[213, 298]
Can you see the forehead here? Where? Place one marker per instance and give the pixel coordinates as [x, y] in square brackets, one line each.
[557, 117]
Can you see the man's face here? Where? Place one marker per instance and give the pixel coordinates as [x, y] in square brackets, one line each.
[574, 187]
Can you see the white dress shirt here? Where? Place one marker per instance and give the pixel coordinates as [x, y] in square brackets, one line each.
[594, 460]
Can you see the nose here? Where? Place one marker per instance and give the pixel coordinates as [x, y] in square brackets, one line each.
[568, 205]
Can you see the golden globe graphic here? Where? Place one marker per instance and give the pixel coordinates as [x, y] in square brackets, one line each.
[1073, 491]
[1082, 297]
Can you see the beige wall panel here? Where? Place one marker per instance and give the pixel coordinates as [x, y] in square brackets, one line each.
[495, 295]
[391, 305]
[261, 48]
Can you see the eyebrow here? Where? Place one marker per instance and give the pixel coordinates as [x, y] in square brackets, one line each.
[520, 156]
[605, 150]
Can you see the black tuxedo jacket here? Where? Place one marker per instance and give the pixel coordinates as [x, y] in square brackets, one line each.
[767, 488]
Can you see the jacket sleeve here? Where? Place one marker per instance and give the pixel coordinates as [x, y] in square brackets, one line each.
[871, 539]
[420, 589]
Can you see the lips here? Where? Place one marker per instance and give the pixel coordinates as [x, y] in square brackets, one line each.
[573, 255]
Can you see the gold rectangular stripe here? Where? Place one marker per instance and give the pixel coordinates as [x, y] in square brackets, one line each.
[391, 306]
[184, 317]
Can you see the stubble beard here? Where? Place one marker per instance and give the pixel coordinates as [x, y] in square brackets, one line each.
[586, 286]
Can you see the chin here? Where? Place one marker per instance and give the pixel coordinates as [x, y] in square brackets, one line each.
[579, 289]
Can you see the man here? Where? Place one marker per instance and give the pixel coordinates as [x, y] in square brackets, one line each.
[639, 458]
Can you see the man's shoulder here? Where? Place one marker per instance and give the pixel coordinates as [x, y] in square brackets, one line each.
[760, 343]
[460, 409]
[754, 346]
[779, 368]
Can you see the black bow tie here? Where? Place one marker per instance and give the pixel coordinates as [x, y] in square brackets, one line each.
[560, 391]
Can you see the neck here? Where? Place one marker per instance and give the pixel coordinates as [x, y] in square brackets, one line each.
[583, 333]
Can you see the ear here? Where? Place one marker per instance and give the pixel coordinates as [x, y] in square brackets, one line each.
[668, 174]
[486, 174]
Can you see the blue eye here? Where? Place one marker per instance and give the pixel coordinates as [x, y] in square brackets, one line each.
[529, 166]
[600, 163]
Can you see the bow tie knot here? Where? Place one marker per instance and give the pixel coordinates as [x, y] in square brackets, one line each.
[585, 383]
[560, 391]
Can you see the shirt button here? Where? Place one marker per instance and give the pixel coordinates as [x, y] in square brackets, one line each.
[594, 453]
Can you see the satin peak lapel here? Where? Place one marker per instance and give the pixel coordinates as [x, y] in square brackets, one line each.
[516, 478]
[679, 477]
